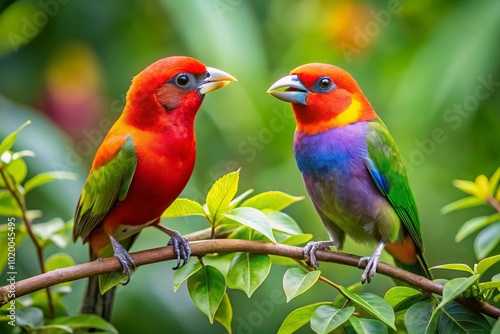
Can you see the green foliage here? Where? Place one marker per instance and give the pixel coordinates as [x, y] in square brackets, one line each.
[483, 191]
[297, 281]
[31, 320]
[32, 313]
[471, 286]
[423, 317]
[259, 218]
[327, 318]
[248, 271]
[207, 287]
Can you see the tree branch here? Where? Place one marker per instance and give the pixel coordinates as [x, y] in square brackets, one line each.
[201, 248]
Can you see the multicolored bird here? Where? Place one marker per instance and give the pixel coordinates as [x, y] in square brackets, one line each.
[142, 165]
[351, 168]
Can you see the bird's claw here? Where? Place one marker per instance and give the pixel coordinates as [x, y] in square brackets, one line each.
[181, 249]
[125, 259]
[370, 269]
[310, 252]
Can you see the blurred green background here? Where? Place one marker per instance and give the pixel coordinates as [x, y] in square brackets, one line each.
[430, 69]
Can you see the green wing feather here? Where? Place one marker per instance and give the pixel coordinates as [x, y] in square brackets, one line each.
[104, 187]
[387, 170]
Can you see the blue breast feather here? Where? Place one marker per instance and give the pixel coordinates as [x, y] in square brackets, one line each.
[341, 149]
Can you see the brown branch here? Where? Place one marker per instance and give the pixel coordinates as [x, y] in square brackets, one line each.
[493, 202]
[201, 248]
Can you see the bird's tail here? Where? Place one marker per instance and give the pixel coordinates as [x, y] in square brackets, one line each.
[408, 256]
[420, 267]
[93, 301]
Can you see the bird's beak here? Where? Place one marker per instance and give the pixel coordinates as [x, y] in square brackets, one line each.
[215, 79]
[295, 91]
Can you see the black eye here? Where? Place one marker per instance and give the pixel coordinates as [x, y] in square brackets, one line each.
[325, 83]
[182, 80]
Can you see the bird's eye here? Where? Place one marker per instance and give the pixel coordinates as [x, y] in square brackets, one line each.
[182, 80]
[325, 83]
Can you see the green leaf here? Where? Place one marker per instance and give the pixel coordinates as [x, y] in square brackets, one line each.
[86, 321]
[9, 206]
[282, 222]
[184, 207]
[454, 288]
[402, 297]
[494, 179]
[418, 318]
[57, 261]
[373, 304]
[464, 203]
[475, 224]
[252, 218]
[8, 141]
[297, 281]
[456, 318]
[47, 177]
[29, 317]
[221, 194]
[367, 326]
[455, 266]
[15, 171]
[485, 264]
[496, 328]
[468, 187]
[184, 272]
[297, 239]
[494, 284]
[49, 232]
[326, 318]
[207, 288]
[224, 314]
[271, 200]
[299, 317]
[109, 281]
[341, 300]
[248, 271]
[22, 154]
[487, 240]
[234, 203]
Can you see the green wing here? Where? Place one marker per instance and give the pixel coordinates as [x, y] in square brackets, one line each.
[388, 173]
[105, 186]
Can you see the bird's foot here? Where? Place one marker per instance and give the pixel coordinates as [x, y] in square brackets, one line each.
[180, 244]
[181, 248]
[310, 251]
[371, 263]
[124, 257]
[370, 269]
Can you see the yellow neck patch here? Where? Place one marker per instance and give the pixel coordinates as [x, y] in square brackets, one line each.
[348, 116]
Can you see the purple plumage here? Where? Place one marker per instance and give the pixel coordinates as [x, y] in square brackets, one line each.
[334, 168]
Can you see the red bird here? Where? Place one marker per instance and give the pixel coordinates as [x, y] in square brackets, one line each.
[142, 165]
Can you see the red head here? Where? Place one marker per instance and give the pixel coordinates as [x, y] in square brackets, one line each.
[323, 97]
[171, 90]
